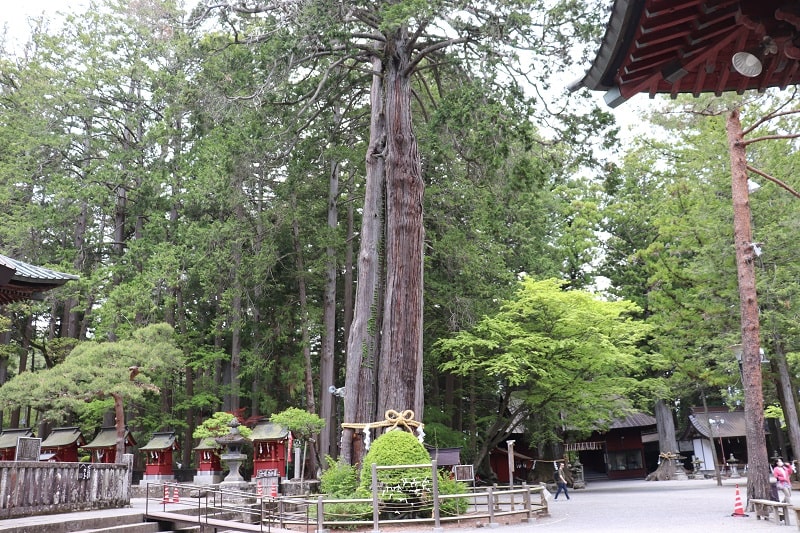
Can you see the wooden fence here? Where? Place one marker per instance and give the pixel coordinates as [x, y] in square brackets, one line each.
[33, 488]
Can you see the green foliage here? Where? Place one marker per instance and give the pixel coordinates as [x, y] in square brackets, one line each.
[218, 425]
[452, 506]
[348, 511]
[93, 371]
[302, 424]
[397, 447]
[339, 479]
[560, 357]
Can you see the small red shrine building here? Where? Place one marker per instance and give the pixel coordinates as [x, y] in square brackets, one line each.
[209, 465]
[158, 457]
[61, 446]
[8, 442]
[103, 448]
[270, 449]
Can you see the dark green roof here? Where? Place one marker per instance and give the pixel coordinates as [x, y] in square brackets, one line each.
[8, 438]
[161, 441]
[107, 438]
[269, 431]
[208, 443]
[64, 437]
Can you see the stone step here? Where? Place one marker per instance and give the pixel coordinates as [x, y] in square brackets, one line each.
[99, 523]
[143, 527]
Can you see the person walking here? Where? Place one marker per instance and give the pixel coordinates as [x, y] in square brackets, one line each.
[561, 481]
[783, 476]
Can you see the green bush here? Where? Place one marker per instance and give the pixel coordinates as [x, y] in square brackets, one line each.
[339, 479]
[452, 506]
[402, 490]
[395, 448]
[348, 511]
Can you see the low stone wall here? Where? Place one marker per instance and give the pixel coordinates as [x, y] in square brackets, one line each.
[33, 488]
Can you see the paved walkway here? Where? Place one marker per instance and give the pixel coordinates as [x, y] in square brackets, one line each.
[603, 507]
[649, 506]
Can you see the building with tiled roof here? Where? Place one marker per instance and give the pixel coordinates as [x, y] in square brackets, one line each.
[8, 442]
[103, 448]
[61, 445]
[695, 46]
[22, 281]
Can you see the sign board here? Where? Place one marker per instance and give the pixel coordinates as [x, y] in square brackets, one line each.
[464, 473]
[28, 449]
[84, 471]
[268, 472]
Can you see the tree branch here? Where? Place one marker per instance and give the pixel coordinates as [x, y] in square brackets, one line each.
[776, 181]
[771, 137]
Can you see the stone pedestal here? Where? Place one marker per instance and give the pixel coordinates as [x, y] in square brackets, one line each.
[207, 478]
[295, 487]
[680, 473]
[234, 462]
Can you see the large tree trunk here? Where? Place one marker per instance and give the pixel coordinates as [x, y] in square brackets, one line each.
[311, 406]
[362, 344]
[757, 460]
[326, 363]
[400, 363]
[667, 442]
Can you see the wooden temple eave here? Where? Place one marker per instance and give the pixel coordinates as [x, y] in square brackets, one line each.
[669, 47]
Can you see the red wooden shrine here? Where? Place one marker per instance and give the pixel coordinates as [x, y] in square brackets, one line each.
[270, 449]
[103, 448]
[8, 442]
[61, 446]
[158, 455]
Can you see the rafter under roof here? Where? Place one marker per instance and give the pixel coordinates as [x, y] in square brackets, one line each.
[686, 46]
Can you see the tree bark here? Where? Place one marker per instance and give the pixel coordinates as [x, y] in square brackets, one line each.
[364, 339]
[758, 462]
[326, 363]
[400, 363]
[667, 442]
[304, 326]
[119, 414]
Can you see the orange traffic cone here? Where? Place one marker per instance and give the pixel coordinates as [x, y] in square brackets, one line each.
[273, 490]
[259, 489]
[176, 498]
[738, 509]
[166, 495]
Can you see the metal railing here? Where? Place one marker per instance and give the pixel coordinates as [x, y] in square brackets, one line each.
[261, 513]
[211, 506]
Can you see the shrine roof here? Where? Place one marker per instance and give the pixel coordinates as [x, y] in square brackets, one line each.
[687, 46]
[633, 420]
[732, 423]
[107, 438]
[161, 441]
[23, 281]
[8, 438]
[65, 436]
[208, 443]
[269, 431]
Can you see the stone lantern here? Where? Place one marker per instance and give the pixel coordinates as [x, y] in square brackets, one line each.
[233, 443]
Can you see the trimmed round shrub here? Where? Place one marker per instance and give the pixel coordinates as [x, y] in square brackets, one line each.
[396, 448]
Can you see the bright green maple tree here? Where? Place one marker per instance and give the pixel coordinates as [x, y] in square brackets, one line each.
[552, 357]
